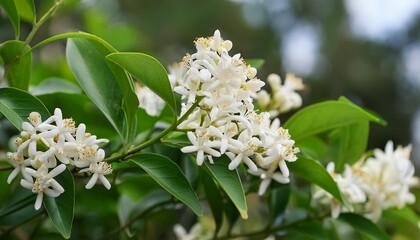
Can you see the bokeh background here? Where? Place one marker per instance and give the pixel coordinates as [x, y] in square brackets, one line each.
[368, 51]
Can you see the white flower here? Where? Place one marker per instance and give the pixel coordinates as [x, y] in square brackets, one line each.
[19, 163]
[196, 232]
[98, 170]
[387, 178]
[242, 149]
[284, 97]
[348, 184]
[267, 175]
[201, 145]
[148, 100]
[44, 183]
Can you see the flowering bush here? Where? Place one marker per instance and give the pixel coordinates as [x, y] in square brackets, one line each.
[197, 149]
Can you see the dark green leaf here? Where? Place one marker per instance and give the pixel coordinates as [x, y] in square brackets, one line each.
[10, 8]
[16, 105]
[149, 71]
[106, 84]
[214, 199]
[325, 116]
[230, 182]
[18, 208]
[364, 226]
[278, 200]
[17, 64]
[61, 209]
[55, 85]
[168, 175]
[315, 173]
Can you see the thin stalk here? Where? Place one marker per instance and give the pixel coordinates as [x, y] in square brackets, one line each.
[157, 137]
[41, 21]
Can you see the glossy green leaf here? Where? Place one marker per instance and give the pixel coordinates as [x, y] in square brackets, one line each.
[18, 208]
[61, 209]
[352, 142]
[16, 105]
[106, 84]
[10, 8]
[55, 85]
[149, 71]
[17, 67]
[278, 200]
[364, 226]
[214, 199]
[168, 175]
[315, 173]
[230, 182]
[324, 116]
[373, 115]
[26, 10]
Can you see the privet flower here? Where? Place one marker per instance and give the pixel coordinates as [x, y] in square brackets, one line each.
[282, 98]
[148, 100]
[44, 148]
[377, 183]
[224, 120]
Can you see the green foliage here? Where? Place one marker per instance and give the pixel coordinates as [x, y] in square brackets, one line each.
[151, 176]
[167, 174]
[61, 209]
[17, 61]
[16, 105]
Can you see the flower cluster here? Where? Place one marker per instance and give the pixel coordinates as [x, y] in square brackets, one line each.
[148, 100]
[219, 89]
[282, 98]
[377, 183]
[44, 148]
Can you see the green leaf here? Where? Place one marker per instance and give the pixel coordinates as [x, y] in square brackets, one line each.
[149, 71]
[26, 10]
[325, 116]
[18, 208]
[315, 173]
[230, 182]
[372, 114]
[278, 200]
[10, 8]
[61, 209]
[352, 142]
[214, 199]
[106, 84]
[56, 85]
[364, 226]
[16, 105]
[168, 175]
[17, 67]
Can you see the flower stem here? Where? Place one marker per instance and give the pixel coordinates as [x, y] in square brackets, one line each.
[157, 137]
[41, 21]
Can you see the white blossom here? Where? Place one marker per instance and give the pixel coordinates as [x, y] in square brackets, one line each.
[148, 100]
[44, 148]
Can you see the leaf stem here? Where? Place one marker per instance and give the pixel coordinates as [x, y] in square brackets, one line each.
[39, 23]
[158, 136]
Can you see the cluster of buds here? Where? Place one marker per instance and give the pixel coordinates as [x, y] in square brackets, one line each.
[44, 148]
[283, 97]
[380, 182]
[220, 89]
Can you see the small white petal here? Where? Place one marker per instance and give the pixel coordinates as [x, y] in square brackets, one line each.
[263, 186]
[92, 181]
[57, 170]
[38, 201]
[12, 175]
[26, 184]
[105, 181]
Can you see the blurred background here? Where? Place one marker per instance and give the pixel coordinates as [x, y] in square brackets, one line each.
[368, 51]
